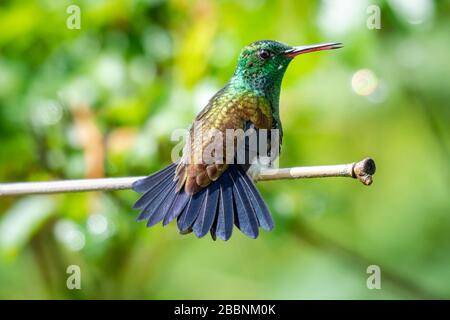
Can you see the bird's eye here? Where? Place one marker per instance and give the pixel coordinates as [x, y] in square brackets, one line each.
[264, 54]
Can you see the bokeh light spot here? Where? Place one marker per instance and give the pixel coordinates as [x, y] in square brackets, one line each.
[70, 235]
[97, 224]
[413, 11]
[46, 113]
[364, 82]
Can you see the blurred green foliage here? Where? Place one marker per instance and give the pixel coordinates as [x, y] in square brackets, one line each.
[103, 101]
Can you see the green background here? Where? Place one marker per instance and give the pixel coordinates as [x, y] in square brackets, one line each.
[104, 100]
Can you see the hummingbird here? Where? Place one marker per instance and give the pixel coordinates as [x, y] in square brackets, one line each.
[213, 196]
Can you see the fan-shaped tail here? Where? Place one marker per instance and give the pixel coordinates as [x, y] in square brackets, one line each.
[231, 199]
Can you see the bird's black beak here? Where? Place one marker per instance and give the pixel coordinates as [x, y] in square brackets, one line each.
[295, 51]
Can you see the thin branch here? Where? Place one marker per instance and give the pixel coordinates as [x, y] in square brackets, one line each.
[362, 170]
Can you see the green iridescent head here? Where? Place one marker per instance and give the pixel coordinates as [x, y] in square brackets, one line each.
[262, 64]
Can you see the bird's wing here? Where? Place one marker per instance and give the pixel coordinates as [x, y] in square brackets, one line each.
[202, 160]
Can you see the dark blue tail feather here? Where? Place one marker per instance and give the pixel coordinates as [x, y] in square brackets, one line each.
[161, 209]
[232, 199]
[178, 205]
[154, 186]
[262, 212]
[152, 180]
[225, 215]
[154, 201]
[196, 202]
[205, 218]
[245, 213]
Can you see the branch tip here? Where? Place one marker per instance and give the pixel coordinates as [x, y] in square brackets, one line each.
[364, 171]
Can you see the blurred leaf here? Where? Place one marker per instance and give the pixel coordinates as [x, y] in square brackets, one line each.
[22, 221]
